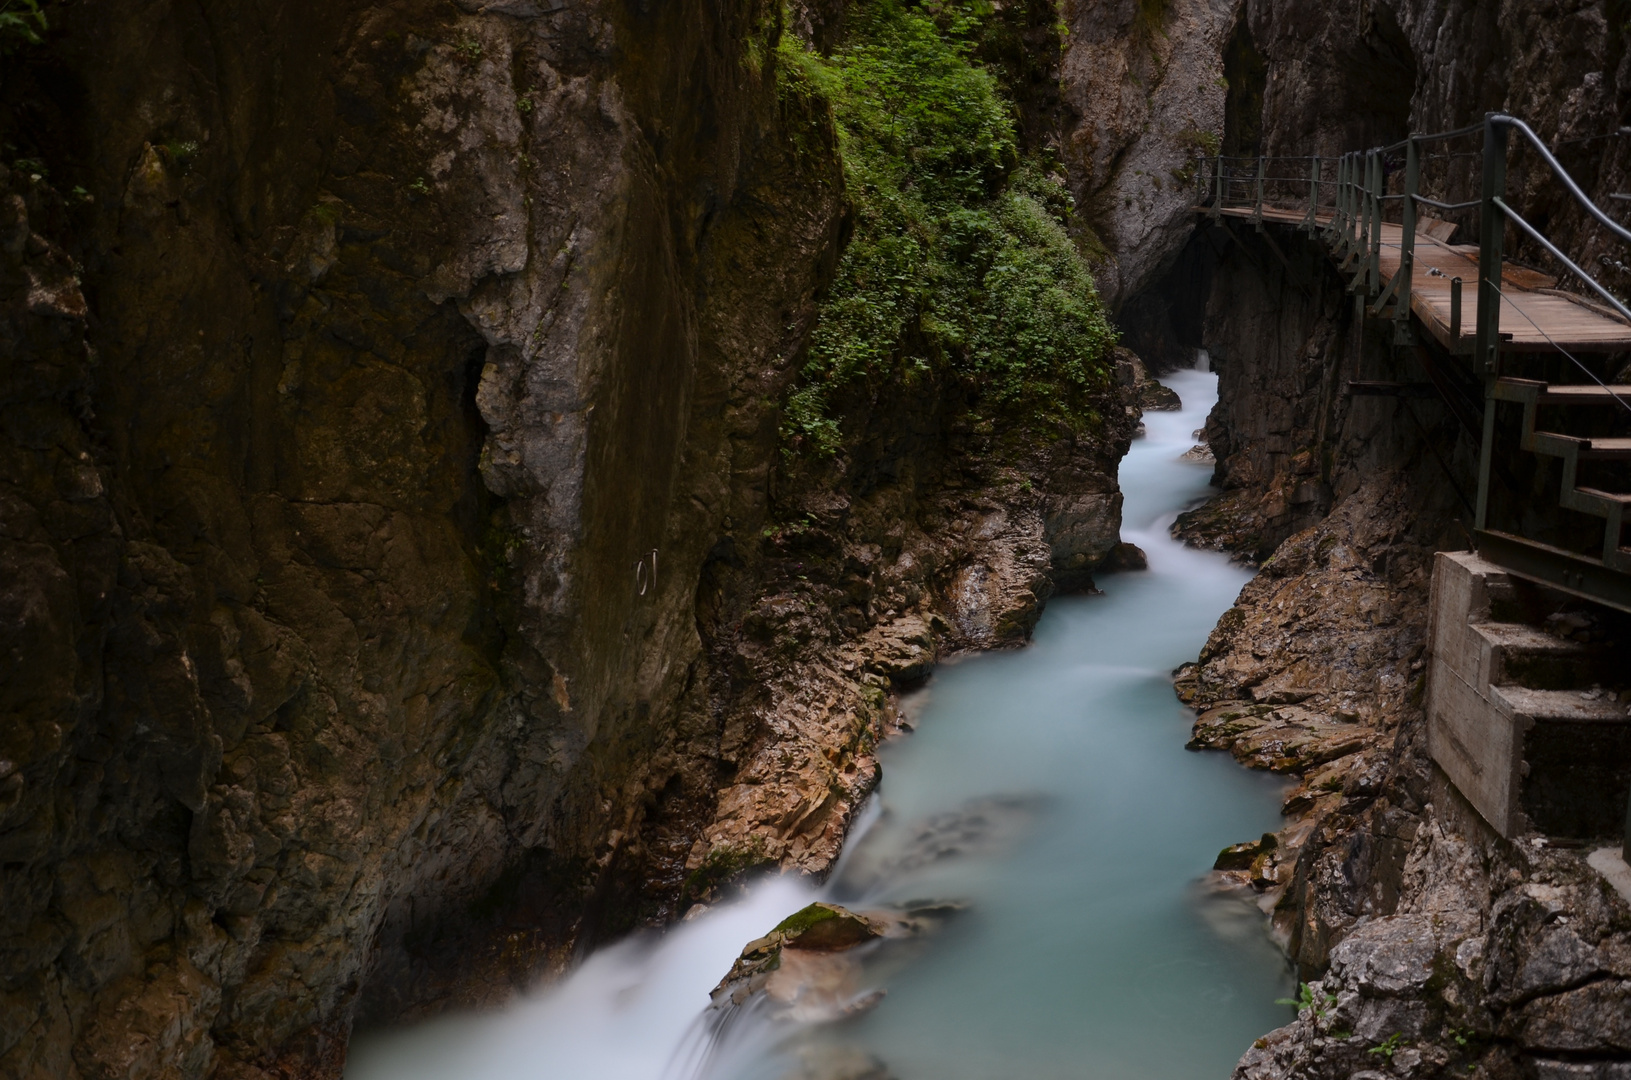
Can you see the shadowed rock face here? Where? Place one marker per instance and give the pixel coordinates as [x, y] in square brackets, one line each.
[409, 331]
[403, 582]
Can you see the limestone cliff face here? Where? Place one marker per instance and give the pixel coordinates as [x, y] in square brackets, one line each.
[403, 579]
[1144, 80]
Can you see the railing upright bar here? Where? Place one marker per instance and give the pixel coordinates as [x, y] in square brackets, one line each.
[1492, 226]
[1348, 223]
[1334, 230]
[1217, 173]
[1625, 850]
[1350, 230]
[1407, 243]
[1365, 223]
[1359, 255]
[1373, 284]
[1487, 346]
[1257, 212]
[1311, 221]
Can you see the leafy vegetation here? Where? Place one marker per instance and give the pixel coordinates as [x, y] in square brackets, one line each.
[1305, 1000]
[1388, 1046]
[21, 23]
[960, 266]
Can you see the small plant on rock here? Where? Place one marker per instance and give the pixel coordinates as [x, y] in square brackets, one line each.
[1305, 999]
[1388, 1046]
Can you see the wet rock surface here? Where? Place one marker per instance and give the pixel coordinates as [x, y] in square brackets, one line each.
[402, 582]
[797, 967]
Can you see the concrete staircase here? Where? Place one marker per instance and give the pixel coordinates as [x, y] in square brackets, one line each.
[1529, 725]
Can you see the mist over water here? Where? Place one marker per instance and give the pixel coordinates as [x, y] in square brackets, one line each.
[1048, 790]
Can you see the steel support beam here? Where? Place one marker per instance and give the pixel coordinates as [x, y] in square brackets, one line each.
[1563, 570]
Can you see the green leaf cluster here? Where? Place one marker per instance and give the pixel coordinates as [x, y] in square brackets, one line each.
[1305, 999]
[21, 23]
[960, 266]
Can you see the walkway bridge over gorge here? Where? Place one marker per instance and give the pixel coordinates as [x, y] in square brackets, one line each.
[1544, 358]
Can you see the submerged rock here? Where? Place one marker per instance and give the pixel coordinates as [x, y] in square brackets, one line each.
[977, 828]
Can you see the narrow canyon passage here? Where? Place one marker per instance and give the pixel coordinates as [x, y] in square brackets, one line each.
[1048, 791]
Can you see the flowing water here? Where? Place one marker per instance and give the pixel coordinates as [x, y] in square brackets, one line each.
[1048, 792]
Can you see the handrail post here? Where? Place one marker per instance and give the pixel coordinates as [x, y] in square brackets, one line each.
[1487, 347]
[1359, 257]
[1491, 227]
[1257, 215]
[1348, 222]
[1217, 174]
[1334, 230]
[1407, 241]
[1311, 222]
[1625, 850]
[1365, 212]
[1373, 283]
[1344, 218]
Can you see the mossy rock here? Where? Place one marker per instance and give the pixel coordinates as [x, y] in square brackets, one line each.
[1242, 856]
[825, 928]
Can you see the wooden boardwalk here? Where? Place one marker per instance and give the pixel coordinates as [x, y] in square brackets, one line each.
[1535, 316]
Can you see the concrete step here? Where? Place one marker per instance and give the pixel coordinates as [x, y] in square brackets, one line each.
[1520, 654]
[1574, 760]
[1561, 706]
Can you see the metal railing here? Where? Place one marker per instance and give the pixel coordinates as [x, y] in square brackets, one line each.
[1348, 200]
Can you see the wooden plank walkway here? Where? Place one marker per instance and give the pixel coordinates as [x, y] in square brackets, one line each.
[1537, 316]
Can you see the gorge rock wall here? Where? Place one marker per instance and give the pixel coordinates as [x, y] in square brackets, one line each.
[404, 584]
[1454, 951]
[331, 461]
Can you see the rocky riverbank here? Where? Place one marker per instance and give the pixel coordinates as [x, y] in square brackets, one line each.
[1432, 947]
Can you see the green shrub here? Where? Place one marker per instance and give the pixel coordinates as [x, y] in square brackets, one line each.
[960, 266]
